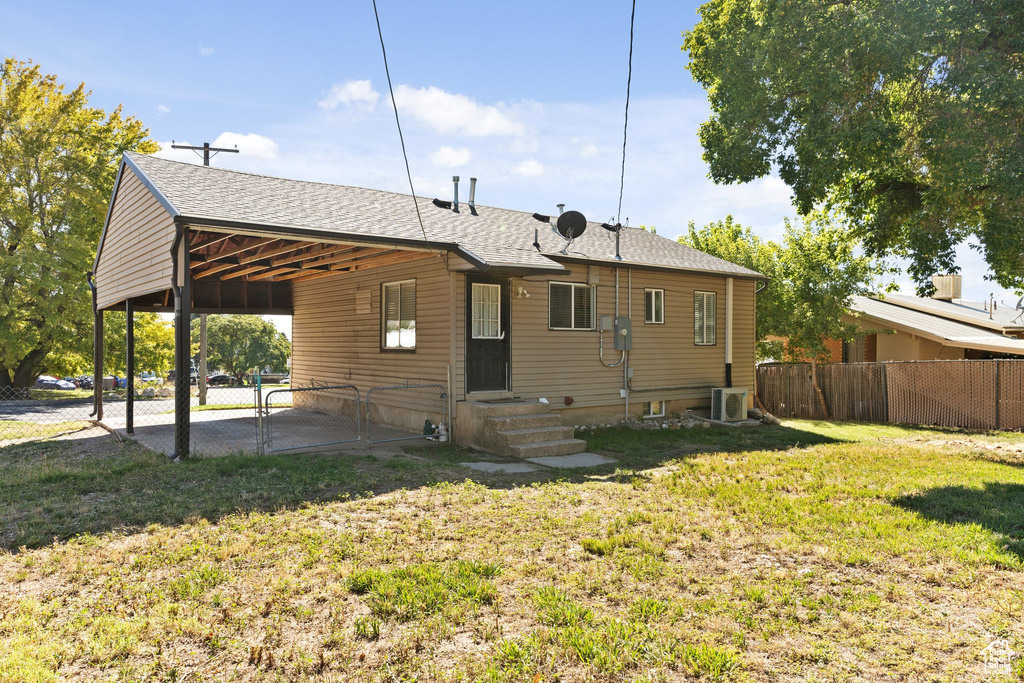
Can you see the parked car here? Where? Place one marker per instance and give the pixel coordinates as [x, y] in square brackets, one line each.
[220, 380]
[193, 376]
[50, 382]
[148, 377]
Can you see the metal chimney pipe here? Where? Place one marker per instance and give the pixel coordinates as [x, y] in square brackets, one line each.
[561, 208]
[472, 192]
[455, 205]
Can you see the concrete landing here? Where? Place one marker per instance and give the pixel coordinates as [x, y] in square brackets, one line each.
[503, 467]
[570, 461]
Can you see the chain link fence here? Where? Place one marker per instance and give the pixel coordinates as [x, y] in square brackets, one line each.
[29, 414]
[309, 417]
[405, 411]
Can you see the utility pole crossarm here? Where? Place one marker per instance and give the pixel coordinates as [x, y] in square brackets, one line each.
[206, 149]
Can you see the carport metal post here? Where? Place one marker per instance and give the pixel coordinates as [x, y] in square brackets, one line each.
[182, 347]
[129, 365]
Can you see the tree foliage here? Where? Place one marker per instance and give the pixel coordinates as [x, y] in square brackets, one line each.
[240, 343]
[58, 162]
[907, 116]
[154, 343]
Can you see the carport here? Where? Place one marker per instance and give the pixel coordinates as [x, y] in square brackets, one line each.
[172, 243]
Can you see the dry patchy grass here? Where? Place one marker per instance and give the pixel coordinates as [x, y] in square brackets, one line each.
[814, 551]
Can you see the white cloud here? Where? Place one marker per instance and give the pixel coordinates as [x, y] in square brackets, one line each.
[588, 151]
[530, 168]
[450, 156]
[523, 146]
[252, 146]
[166, 152]
[205, 51]
[353, 93]
[162, 109]
[451, 114]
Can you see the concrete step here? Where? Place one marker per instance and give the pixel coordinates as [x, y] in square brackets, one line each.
[536, 434]
[545, 448]
[505, 423]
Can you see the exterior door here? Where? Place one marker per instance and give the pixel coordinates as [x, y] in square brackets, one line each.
[487, 340]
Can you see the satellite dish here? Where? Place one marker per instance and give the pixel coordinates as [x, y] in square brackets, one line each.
[571, 224]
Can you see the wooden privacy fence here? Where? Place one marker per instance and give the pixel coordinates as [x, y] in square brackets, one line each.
[978, 394]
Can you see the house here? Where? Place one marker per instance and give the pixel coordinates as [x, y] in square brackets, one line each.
[943, 327]
[490, 303]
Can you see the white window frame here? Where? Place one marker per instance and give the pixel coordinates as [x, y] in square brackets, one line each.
[384, 315]
[572, 311]
[500, 334]
[702, 338]
[649, 406]
[659, 312]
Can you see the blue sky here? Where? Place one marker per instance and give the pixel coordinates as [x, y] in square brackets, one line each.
[526, 96]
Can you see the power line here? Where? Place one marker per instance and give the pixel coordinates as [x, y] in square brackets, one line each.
[625, 125]
[401, 138]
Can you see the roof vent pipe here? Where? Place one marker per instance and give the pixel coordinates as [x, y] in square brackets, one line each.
[561, 209]
[455, 204]
[472, 192]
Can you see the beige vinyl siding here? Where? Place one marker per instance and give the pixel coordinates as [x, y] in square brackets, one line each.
[336, 337]
[555, 363]
[136, 254]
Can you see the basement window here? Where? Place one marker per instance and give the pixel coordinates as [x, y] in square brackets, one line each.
[398, 313]
[654, 409]
[704, 318]
[571, 306]
[654, 306]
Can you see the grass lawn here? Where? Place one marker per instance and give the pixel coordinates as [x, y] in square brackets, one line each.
[16, 429]
[812, 551]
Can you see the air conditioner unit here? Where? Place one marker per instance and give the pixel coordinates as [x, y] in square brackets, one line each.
[729, 404]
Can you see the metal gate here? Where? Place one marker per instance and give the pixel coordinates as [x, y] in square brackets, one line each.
[309, 417]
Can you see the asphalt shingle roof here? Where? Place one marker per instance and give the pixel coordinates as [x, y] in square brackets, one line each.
[949, 331]
[497, 237]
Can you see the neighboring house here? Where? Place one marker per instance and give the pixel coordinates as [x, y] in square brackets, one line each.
[491, 302]
[906, 327]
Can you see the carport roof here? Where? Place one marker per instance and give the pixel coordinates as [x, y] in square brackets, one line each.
[488, 237]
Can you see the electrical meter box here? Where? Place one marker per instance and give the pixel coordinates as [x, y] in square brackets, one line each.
[623, 334]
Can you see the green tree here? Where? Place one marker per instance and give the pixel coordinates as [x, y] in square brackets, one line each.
[815, 273]
[241, 343]
[58, 162]
[906, 116]
[154, 343]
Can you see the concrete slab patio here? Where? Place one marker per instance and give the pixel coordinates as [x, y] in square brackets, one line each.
[572, 461]
[501, 467]
[221, 432]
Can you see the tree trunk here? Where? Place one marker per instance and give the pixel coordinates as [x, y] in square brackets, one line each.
[817, 389]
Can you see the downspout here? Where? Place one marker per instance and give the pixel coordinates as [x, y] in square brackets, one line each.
[728, 331]
[97, 354]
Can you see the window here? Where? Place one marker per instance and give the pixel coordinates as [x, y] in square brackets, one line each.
[654, 409]
[486, 311]
[704, 318]
[570, 306]
[399, 315]
[654, 306]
